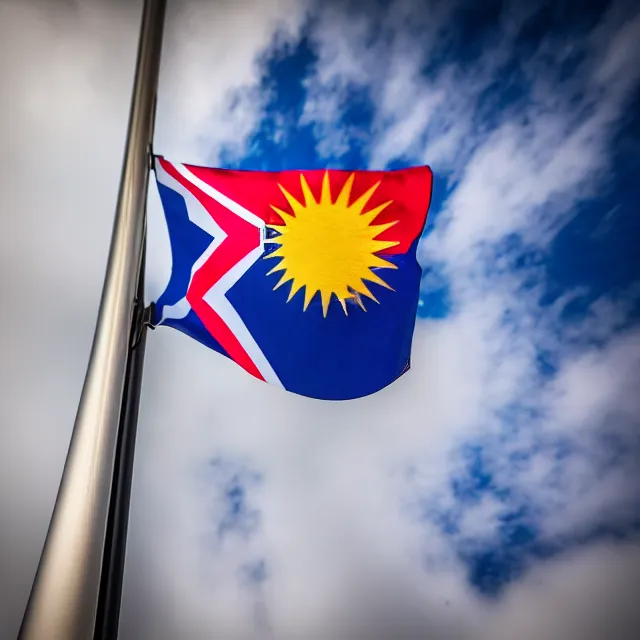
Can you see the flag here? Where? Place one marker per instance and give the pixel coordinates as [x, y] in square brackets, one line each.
[306, 279]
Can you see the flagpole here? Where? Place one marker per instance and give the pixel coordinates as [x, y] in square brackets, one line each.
[110, 595]
[64, 597]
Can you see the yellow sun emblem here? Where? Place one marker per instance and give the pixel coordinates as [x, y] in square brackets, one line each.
[330, 247]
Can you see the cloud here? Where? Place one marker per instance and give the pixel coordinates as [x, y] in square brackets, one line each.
[588, 594]
[210, 74]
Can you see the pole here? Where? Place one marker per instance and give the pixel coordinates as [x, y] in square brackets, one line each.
[64, 596]
[110, 595]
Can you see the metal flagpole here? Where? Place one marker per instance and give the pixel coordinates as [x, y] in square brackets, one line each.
[110, 594]
[64, 597]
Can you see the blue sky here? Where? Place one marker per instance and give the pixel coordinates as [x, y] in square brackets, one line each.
[489, 493]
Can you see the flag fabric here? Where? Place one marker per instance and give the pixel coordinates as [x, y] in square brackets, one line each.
[306, 279]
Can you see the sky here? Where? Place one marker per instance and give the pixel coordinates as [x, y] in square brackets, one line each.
[493, 491]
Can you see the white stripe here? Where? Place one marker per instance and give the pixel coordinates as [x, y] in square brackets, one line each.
[201, 218]
[226, 202]
[197, 213]
[216, 296]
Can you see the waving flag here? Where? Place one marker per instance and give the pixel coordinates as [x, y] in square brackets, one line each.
[306, 279]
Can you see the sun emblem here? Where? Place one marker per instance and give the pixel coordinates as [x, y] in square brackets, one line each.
[330, 247]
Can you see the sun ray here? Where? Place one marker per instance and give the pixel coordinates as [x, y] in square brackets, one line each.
[275, 254]
[325, 198]
[295, 287]
[283, 214]
[371, 215]
[293, 203]
[308, 296]
[285, 278]
[279, 267]
[362, 288]
[326, 297]
[309, 200]
[358, 300]
[343, 198]
[372, 277]
[377, 261]
[379, 228]
[361, 202]
[380, 245]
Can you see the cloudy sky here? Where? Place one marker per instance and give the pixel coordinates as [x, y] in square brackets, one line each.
[491, 493]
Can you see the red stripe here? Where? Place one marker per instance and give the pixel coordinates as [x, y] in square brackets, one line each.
[242, 238]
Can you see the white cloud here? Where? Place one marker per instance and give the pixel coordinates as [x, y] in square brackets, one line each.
[589, 594]
[610, 374]
[209, 86]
